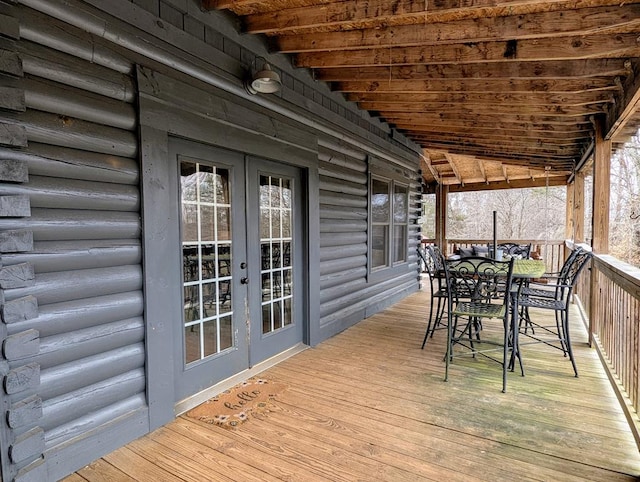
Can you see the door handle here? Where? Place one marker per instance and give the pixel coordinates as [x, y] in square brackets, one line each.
[244, 281]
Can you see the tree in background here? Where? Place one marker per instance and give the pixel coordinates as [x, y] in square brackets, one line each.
[533, 213]
[624, 213]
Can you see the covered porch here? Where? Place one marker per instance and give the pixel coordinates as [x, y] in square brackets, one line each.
[369, 404]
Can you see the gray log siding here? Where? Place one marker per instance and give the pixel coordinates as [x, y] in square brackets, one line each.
[71, 275]
[346, 294]
[73, 361]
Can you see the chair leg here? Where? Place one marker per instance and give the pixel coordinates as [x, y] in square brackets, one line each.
[565, 322]
[505, 350]
[449, 341]
[561, 332]
[426, 335]
[439, 315]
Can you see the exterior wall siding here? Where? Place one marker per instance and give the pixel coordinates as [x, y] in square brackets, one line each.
[72, 234]
[76, 377]
[347, 292]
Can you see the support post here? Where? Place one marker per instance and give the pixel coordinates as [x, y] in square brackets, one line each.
[574, 225]
[600, 220]
[578, 208]
[442, 191]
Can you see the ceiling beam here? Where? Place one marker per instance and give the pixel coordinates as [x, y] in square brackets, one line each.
[608, 20]
[437, 125]
[535, 157]
[514, 85]
[513, 142]
[359, 14]
[553, 69]
[559, 48]
[556, 110]
[489, 119]
[513, 184]
[629, 103]
[517, 98]
[495, 133]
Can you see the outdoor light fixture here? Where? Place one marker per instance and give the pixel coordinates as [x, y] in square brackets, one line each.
[264, 81]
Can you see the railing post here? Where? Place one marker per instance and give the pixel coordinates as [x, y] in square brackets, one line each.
[442, 191]
[600, 220]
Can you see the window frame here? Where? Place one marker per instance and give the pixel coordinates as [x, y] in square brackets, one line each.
[390, 267]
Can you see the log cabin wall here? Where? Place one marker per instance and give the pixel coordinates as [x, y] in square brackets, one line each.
[71, 284]
[71, 252]
[347, 291]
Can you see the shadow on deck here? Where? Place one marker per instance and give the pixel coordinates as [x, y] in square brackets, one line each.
[369, 404]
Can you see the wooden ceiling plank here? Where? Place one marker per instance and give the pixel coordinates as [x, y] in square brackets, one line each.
[426, 162]
[451, 125]
[556, 110]
[489, 118]
[528, 154]
[493, 132]
[608, 20]
[562, 153]
[559, 48]
[360, 14]
[514, 142]
[515, 85]
[454, 168]
[471, 121]
[480, 165]
[514, 184]
[533, 98]
[554, 69]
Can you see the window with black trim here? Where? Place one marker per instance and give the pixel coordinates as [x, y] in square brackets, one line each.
[388, 222]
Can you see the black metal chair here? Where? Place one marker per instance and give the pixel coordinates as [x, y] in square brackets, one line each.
[554, 295]
[476, 279]
[434, 263]
[515, 249]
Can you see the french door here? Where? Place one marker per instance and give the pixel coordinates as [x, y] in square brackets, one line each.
[241, 285]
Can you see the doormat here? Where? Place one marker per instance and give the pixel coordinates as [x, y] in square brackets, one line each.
[232, 407]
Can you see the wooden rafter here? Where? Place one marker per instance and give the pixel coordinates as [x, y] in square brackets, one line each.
[561, 48]
[361, 14]
[609, 21]
[553, 69]
[493, 90]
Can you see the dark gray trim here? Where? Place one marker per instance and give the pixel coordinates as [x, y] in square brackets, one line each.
[158, 225]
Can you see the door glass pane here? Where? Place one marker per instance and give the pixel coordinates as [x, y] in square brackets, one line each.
[207, 180]
[275, 246]
[192, 343]
[208, 261]
[226, 340]
[206, 253]
[189, 263]
[210, 338]
[224, 223]
[189, 222]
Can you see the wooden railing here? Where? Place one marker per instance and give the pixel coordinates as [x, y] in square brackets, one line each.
[615, 328]
[553, 251]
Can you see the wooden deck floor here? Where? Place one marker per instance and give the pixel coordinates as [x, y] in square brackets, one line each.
[370, 405]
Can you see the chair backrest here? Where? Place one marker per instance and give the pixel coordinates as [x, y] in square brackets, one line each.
[574, 265]
[479, 279]
[516, 249]
[437, 257]
[423, 258]
[567, 263]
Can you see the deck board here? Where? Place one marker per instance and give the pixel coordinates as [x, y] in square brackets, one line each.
[369, 404]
